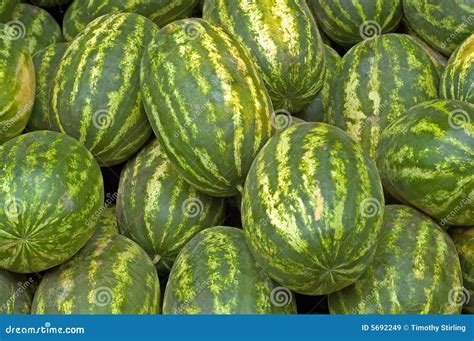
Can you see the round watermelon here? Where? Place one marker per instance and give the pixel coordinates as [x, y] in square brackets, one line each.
[110, 275]
[158, 209]
[16, 293]
[312, 209]
[426, 159]
[51, 188]
[416, 270]
[216, 274]
[207, 104]
[96, 95]
[378, 80]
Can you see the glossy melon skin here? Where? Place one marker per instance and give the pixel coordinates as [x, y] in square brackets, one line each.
[415, 270]
[215, 273]
[75, 20]
[16, 293]
[110, 275]
[312, 209]
[207, 104]
[51, 189]
[426, 159]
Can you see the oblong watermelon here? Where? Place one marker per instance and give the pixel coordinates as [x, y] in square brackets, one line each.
[51, 185]
[16, 293]
[415, 271]
[379, 80]
[442, 24]
[102, 106]
[311, 209]
[216, 274]
[283, 40]
[457, 81]
[426, 159]
[348, 22]
[75, 20]
[17, 88]
[158, 209]
[110, 275]
[206, 103]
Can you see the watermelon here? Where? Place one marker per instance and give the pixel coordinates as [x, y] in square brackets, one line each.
[6, 9]
[101, 105]
[51, 187]
[378, 80]
[75, 20]
[110, 275]
[15, 293]
[426, 159]
[442, 24]
[284, 41]
[415, 271]
[457, 81]
[107, 224]
[159, 210]
[17, 88]
[207, 104]
[349, 22]
[50, 3]
[46, 62]
[40, 29]
[283, 120]
[312, 209]
[318, 108]
[216, 274]
[463, 238]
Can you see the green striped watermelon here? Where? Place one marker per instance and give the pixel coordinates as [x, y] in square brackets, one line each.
[107, 224]
[51, 188]
[102, 106]
[458, 78]
[442, 24]
[159, 210]
[463, 238]
[6, 9]
[17, 87]
[348, 22]
[311, 209]
[415, 271]
[75, 20]
[216, 274]
[319, 107]
[378, 80]
[46, 62]
[426, 159]
[110, 275]
[38, 28]
[284, 41]
[207, 104]
[15, 293]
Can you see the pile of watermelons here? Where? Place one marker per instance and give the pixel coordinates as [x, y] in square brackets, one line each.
[231, 156]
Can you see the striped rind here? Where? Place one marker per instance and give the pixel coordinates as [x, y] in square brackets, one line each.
[216, 274]
[415, 270]
[159, 210]
[442, 24]
[107, 224]
[349, 22]
[51, 188]
[426, 159]
[463, 238]
[38, 28]
[101, 106]
[75, 20]
[457, 81]
[378, 80]
[311, 209]
[207, 104]
[6, 9]
[15, 293]
[283, 40]
[110, 275]
[46, 62]
[17, 88]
